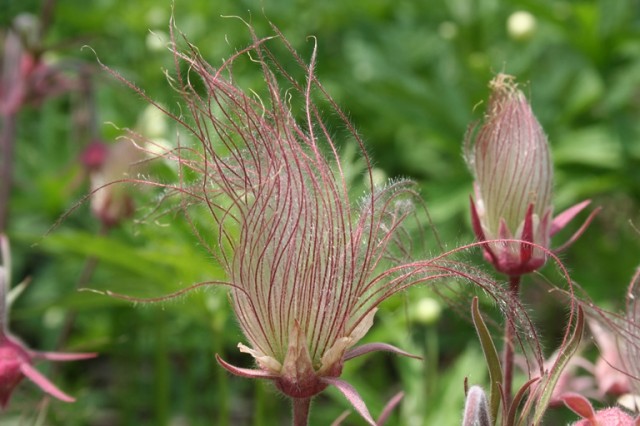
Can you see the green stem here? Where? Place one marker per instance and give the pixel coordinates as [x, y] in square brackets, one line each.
[509, 336]
[301, 408]
[259, 414]
[431, 361]
[161, 385]
[222, 394]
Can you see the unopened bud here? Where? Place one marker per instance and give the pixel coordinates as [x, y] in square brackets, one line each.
[476, 409]
[512, 167]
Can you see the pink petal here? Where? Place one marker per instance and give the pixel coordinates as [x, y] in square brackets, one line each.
[561, 220]
[580, 231]
[391, 405]
[61, 356]
[245, 372]
[579, 405]
[36, 377]
[372, 347]
[352, 396]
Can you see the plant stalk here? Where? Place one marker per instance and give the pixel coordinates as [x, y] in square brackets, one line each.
[7, 139]
[5, 282]
[301, 407]
[509, 336]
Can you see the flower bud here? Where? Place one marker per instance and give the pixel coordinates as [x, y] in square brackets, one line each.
[476, 409]
[513, 181]
[15, 358]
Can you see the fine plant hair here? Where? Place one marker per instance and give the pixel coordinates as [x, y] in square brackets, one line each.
[624, 327]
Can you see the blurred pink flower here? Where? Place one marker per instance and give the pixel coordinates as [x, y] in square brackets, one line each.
[110, 167]
[25, 77]
[608, 371]
[613, 416]
[629, 345]
[16, 360]
[617, 370]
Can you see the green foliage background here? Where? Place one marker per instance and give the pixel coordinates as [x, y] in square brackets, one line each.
[412, 76]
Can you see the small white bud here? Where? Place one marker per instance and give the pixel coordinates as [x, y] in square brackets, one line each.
[521, 25]
[427, 310]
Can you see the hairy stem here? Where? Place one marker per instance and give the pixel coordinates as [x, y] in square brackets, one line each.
[509, 336]
[301, 407]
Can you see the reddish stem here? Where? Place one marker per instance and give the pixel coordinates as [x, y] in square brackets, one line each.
[301, 407]
[509, 337]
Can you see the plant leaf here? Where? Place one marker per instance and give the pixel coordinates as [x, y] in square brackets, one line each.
[491, 357]
[511, 416]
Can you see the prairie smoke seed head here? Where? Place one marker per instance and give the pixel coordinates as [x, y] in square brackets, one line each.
[306, 267]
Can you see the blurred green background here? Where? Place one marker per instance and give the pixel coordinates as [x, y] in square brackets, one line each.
[411, 75]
